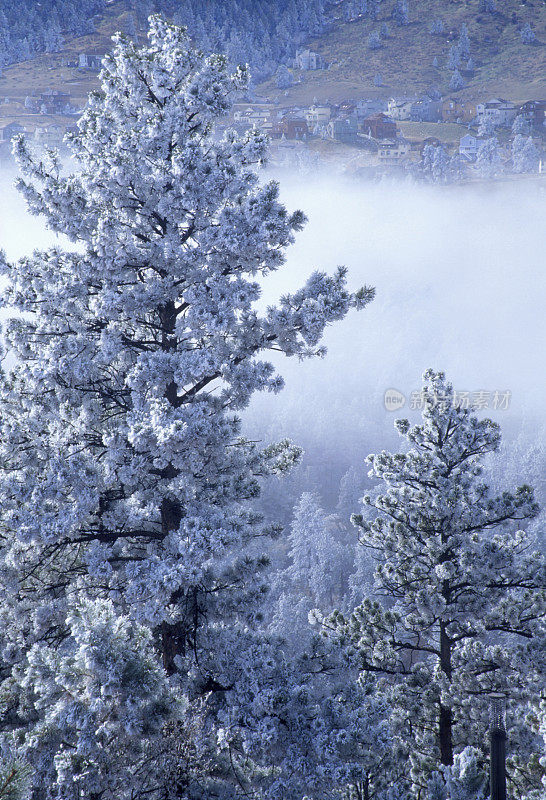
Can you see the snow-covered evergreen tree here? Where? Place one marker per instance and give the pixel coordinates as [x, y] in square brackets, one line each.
[436, 27]
[488, 124]
[125, 483]
[454, 57]
[466, 599]
[488, 159]
[521, 126]
[525, 154]
[464, 43]
[374, 40]
[488, 6]
[283, 77]
[527, 34]
[400, 12]
[319, 563]
[457, 82]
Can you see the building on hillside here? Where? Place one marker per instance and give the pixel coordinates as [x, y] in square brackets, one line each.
[379, 126]
[49, 135]
[367, 108]
[455, 110]
[344, 130]
[399, 109]
[308, 60]
[468, 147]
[425, 110]
[393, 151]
[533, 111]
[290, 128]
[501, 112]
[252, 116]
[90, 61]
[318, 115]
[7, 132]
[54, 102]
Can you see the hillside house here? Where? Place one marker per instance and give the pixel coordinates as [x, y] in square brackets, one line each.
[7, 132]
[367, 108]
[49, 136]
[252, 116]
[393, 151]
[455, 110]
[344, 130]
[308, 60]
[318, 115]
[425, 110]
[502, 112]
[54, 102]
[468, 147]
[290, 128]
[533, 111]
[399, 109]
[90, 61]
[379, 126]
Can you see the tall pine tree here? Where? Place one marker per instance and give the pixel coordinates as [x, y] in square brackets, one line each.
[465, 599]
[125, 480]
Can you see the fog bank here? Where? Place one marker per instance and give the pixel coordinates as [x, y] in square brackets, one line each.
[459, 274]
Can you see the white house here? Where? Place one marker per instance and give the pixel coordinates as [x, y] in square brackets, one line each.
[468, 146]
[50, 136]
[501, 112]
[92, 61]
[318, 115]
[399, 109]
[309, 60]
[392, 152]
[252, 116]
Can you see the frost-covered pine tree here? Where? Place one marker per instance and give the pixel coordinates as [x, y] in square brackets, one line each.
[520, 126]
[527, 34]
[525, 154]
[457, 81]
[283, 77]
[125, 481]
[454, 57]
[319, 564]
[464, 43]
[400, 12]
[488, 158]
[488, 124]
[465, 598]
[436, 27]
[374, 40]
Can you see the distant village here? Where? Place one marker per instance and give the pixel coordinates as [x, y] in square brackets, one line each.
[388, 135]
[379, 135]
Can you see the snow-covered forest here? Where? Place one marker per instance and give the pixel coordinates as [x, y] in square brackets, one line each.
[28, 27]
[216, 586]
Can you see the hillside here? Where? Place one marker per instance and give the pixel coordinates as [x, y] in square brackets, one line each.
[504, 65]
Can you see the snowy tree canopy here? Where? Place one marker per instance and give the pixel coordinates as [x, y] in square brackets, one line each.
[466, 597]
[126, 483]
[488, 158]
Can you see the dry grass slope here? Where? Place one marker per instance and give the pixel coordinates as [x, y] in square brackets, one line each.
[504, 65]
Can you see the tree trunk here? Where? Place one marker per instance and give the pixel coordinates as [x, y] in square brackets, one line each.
[446, 715]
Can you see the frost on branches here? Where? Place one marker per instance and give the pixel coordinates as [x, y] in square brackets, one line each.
[466, 598]
[125, 481]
